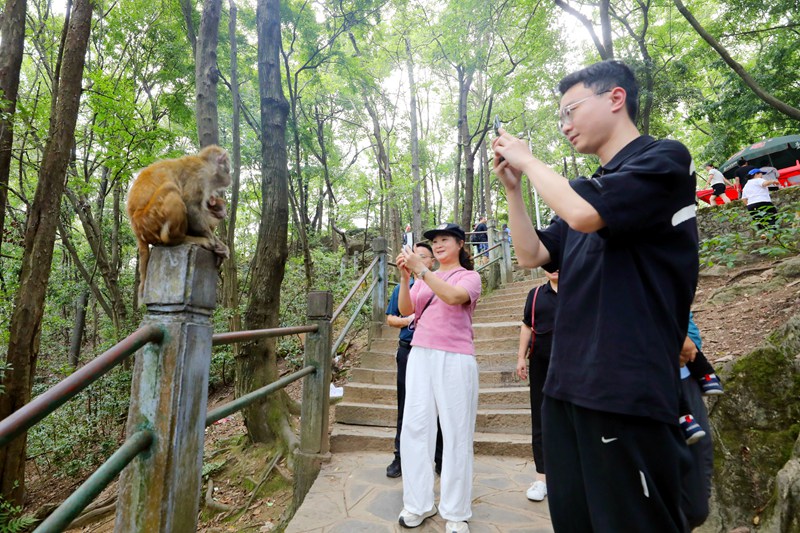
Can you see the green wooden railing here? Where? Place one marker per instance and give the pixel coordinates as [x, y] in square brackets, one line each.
[161, 460]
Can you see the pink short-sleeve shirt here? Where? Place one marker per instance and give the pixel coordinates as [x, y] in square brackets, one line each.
[442, 326]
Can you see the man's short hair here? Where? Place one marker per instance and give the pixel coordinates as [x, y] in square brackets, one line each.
[425, 245]
[604, 76]
[742, 161]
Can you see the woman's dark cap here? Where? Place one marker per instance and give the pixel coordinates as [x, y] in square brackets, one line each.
[448, 228]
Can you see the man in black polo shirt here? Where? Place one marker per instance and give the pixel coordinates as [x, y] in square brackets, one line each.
[625, 245]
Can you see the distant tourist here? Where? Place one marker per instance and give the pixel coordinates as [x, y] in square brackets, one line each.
[742, 174]
[480, 239]
[507, 233]
[717, 181]
[759, 203]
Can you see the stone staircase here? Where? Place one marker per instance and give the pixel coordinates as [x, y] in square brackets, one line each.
[366, 416]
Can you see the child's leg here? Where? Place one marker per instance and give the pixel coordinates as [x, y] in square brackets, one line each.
[700, 367]
[692, 432]
[701, 370]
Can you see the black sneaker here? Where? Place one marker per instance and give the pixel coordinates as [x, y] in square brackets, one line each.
[394, 469]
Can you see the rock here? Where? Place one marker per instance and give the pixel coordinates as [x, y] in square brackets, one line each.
[716, 271]
[756, 425]
[789, 268]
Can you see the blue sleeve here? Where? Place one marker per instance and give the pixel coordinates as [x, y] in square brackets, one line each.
[393, 307]
[694, 332]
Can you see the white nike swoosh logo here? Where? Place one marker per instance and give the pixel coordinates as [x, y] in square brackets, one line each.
[606, 441]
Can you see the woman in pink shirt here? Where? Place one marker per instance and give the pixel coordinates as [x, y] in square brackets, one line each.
[441, 379]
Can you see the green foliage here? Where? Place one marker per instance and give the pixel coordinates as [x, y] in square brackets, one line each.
[11, 518]
[728, 247]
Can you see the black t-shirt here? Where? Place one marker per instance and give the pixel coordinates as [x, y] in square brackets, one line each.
[625, 290]
[480, 237]
[545, 318]
[743, 174]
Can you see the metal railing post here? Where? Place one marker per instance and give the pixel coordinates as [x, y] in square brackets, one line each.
[160, 490]
[379, 292]
[507, 266]
[314, 444]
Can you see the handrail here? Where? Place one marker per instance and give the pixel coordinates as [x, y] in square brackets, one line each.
[69, 510]
[29, 414]
[485, 252]
[232, 337]
[487, 265]
[243, 401]
[350, 322]
[356, 285]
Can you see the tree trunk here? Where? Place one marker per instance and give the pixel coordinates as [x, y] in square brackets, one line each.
[416, 199]
[77, 329]
[94, 237]
[487, 181]
[464, 84]
[605, 47]
[187, 8]
[759, 91]
[257, 367]
[393, 226]
[230, 274]
[12, 42]
[206, 74]
[26, 318]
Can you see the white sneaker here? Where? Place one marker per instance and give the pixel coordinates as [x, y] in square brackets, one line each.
[409, 519]
[537, 491]
[456, 527]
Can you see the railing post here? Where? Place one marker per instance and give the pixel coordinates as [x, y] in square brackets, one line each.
[508, 267]
[314, 445]
[379, 292]
[493, 278]
[160, 490]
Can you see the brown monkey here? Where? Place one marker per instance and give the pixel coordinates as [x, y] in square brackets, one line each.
[174, 201]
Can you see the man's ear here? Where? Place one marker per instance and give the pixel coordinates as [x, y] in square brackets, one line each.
[618, 98]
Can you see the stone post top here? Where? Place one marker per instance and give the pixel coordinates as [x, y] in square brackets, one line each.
[181, 278]
[320, 305]
[379, 245]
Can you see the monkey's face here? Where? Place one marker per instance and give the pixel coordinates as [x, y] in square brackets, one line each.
[216, 207]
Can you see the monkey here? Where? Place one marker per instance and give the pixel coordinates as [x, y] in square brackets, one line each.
[175, 201]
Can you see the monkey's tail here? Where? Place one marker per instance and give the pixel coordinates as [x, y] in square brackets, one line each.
[144, 258]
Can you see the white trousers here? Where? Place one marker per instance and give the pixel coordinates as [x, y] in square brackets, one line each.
[444, 384]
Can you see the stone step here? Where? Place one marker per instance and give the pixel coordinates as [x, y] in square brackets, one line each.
[494, 420]
[503, 377]
[509, 343]
[499, 360]
[515, 290]
[482, 332]
[513, 316]
[505, 312]
[500, 305]
[387, 395]
[347, 438]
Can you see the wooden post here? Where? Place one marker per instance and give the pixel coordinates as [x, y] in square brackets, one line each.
[508, 267]
[314, 444]
[379, 293]
[160, 491]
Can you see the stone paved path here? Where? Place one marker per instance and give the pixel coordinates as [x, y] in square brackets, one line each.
[352, 495]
